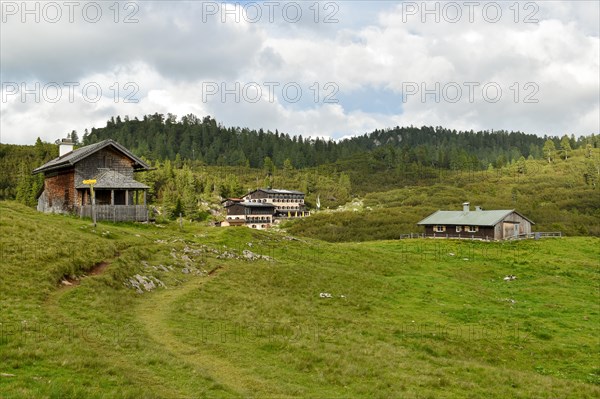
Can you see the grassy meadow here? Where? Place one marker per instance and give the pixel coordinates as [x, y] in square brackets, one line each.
[406, 318]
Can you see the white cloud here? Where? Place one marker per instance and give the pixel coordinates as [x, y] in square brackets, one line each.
[176, 49]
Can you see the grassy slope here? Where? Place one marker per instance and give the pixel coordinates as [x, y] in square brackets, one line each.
[414, 321]
[555, 196]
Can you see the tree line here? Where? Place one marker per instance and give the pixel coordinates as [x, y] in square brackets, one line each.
[161, 137]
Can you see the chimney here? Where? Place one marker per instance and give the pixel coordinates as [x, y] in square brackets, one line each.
[65, 146]
[466, 207]
[478, 208]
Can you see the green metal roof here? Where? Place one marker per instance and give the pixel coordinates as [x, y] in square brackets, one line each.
[471, 218]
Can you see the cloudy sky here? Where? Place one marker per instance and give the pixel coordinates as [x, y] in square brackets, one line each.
[329, 68]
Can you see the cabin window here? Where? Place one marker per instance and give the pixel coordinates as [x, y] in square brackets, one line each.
[472, 229]
[107, 161]
[439, 229]
[458, 229]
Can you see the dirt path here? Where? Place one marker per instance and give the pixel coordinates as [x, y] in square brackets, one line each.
[154, 314]
[99, 268]
[96, 270]
[125, 364]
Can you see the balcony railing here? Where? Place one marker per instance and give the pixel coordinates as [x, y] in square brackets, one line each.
[116, 213]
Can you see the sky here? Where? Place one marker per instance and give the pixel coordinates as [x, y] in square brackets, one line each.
[330, 69]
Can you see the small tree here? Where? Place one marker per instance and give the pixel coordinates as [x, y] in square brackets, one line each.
[178, 209]
[268, 166]
[268, 182]
[591, 174]
[500, 161]
[549, 150]
[288, 167]
[74, 137]
[565, 145]
[178, 164]
[522, 165]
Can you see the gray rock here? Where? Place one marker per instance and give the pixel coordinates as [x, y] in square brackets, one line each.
[249, 255]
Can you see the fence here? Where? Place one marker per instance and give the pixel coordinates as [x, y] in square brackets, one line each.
[116, 213]
[535, 235]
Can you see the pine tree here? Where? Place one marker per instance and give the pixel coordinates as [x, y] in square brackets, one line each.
[588, 150]
[591, 174]
[268, 166]
[549, 150]
[177, 209]
[74, 137]
[565, 145]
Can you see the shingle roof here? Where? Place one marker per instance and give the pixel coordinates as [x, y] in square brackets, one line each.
[471, 218]
[77, 155]
[111, 179]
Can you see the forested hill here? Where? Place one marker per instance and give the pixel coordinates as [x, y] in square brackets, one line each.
[163, 137]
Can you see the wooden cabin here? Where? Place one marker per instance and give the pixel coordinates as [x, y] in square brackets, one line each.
[477, 224]
[119, 197]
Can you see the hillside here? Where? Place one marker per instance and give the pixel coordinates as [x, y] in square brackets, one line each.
[390, 193]
[559, 196]
[410, 318]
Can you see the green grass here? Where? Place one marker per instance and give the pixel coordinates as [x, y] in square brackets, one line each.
[406, 318]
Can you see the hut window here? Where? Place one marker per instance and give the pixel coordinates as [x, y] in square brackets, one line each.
[473, 229]
[439, 229]
[107, 161]
[458, 229]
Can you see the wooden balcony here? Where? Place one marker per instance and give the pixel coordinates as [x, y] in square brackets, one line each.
[283, 214]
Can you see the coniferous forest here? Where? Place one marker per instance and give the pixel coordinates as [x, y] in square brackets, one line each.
[163, 137]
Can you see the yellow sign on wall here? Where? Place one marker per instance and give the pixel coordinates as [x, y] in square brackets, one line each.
[92, 181]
